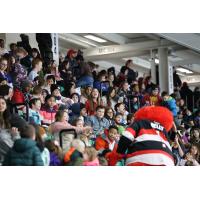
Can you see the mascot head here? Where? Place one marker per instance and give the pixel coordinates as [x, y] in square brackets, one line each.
[155, 113]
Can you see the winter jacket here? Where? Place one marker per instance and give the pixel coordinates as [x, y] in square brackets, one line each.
[171, 105]
[35, 117]
[24, 153]
[103, 143]
[48, 115]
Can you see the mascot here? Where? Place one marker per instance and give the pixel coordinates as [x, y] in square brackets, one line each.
[145, 142]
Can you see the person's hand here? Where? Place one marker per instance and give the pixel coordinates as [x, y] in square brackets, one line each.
[88, 128]
[176, 139]
[189, 157]
[14, 131]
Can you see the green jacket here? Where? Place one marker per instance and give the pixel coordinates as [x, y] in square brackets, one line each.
[24, 153]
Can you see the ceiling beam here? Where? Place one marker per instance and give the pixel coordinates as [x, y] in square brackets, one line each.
[151, 36]
[189, 40]
[125, 48]
[185, 62]
[116, 56]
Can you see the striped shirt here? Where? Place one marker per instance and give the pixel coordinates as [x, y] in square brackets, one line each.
[146, 143]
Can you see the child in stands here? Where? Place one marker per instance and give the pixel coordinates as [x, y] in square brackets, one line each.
[36, 68]
[50, 79]
[34, 111]
[90, 157]
[60, 100]
[25, 151]
[55, 153]
[49, 110]
[118, 122]
[108, 140]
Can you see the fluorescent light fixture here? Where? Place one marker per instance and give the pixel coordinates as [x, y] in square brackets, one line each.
[94, 45]
[74, 41]
[156, 61]
[97, 39]
[180, 74]
[183, 70]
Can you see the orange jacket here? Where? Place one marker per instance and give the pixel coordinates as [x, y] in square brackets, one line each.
[102, 143]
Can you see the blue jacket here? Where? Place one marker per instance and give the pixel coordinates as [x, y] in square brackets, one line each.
[171, 104]
[35, 117]
[24, 153]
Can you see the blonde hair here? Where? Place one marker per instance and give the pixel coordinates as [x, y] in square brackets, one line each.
[91, 152]
[78, 145]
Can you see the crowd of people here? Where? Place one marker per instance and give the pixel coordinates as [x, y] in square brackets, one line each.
[93, 108]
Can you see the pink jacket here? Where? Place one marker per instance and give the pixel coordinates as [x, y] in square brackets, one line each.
[91, 163]
[58, 126]
[48, 115]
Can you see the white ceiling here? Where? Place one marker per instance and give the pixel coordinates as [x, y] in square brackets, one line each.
[137, 46]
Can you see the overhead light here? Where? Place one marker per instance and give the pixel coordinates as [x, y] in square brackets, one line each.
[183, 70]
[156, 61]
[94, 45]
[74, 41]
[97, 39]
[180, 74]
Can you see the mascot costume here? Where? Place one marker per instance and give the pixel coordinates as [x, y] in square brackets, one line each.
[145, 142]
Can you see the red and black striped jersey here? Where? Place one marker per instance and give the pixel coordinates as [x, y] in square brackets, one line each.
[146, 143]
